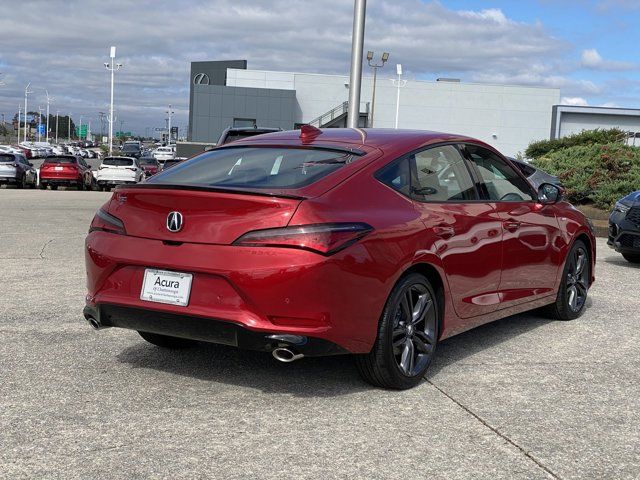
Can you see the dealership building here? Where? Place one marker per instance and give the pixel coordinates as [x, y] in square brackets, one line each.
[226, 93]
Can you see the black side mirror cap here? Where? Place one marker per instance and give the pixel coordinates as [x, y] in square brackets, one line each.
[549, 194]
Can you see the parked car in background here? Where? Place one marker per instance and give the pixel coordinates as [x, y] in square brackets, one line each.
[232, 134]
[167, 164]
[374, 242]
[150, 165]
[66, 171]
[16, 170]
[119, 171]
[164, 153]
[624, 227]
[131, 150]
[536, 176]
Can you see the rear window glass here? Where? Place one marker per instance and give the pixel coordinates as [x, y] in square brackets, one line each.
[60, 160]
[148, 161]
[257, 167]
[118, 162]
[4, 158]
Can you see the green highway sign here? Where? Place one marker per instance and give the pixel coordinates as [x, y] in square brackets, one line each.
[81, 132]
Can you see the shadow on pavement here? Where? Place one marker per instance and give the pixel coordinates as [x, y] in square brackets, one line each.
[309, 377]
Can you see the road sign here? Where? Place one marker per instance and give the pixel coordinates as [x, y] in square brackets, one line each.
[81, 132]
[41, 129]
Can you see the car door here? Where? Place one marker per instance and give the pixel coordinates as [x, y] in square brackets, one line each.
[530, 231]
[464, 230]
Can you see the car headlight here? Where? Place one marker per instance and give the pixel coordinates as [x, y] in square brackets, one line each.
[621, 207]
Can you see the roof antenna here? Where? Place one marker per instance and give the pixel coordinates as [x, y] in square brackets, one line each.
[309, 132]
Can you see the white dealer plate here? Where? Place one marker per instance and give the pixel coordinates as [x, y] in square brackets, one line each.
[57, 168]
[166, 287]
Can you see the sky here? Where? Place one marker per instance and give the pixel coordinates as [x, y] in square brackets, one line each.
[586, 48]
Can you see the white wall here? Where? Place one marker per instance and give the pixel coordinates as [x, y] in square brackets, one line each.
[515, 115]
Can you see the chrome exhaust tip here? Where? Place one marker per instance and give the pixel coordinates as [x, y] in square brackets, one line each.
[95, 324]
[283, 354]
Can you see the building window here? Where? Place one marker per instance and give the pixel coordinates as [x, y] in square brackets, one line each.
[244, 122]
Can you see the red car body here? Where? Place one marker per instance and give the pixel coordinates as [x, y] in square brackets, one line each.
[486, 260]
[65, 170]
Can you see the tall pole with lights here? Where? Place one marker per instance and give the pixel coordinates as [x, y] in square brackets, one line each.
[399, 83]
[39, 121]
[375, 67]
[355, 76]
[112, 67]
[49, 100]
[170, 114]
[69, 129]
[57, 116]
[19, 115]
[26, 94]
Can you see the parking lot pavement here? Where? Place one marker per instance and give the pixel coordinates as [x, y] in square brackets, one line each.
[521, 398]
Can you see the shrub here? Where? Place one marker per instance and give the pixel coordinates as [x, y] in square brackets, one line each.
[599, 174]
[587, 137]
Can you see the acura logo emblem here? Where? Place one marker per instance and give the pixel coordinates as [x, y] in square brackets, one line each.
[201, 79]
[174, 222]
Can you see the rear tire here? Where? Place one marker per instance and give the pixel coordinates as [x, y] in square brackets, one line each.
[632, 257]
[54, 187]
[166, 341]
[572, 294]
[43, 186]
[22, 183]
[407, 336]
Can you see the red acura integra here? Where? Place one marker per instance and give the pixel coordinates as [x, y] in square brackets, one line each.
[378, 243]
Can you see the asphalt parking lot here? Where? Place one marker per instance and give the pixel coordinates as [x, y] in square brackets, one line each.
[522, 398]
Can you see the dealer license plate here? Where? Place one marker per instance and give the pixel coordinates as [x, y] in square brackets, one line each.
[57, 169]
[162, 286]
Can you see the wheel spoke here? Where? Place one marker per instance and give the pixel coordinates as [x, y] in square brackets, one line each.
[405, 304]
[420, 344]
[581, 288]
[579, 262]
[573, 296]
[420, 308]
[399, 337]
[406, 361]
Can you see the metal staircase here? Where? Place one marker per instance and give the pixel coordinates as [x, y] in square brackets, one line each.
[337, 116]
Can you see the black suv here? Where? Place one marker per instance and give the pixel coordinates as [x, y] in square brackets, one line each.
[624, 227]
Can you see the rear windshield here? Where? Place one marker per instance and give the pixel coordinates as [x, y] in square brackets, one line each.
[256, 167]
[4, 158]
[60, 160]
[131, 148]
[233, 136]
[118, 162]
[148, 161]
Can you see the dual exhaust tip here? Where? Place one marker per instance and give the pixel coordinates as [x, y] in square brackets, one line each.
[94, 322]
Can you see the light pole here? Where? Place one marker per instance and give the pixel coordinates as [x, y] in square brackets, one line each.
[112, 68]
[375, 67]
[49, 100]
[26, 93]
[170, 114]
[19, 115]
[355, 76]
[101, 115]
[80, 129]
[399, 83]
[69, 129]
[57, 114]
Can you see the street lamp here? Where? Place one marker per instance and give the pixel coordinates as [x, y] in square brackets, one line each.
[19, 115]
[49, 100]
[112, 67]
[39, 121]
[375, 66]
[170, 113]
[399, 83]
[57, 114]
[69, 129]
[26, 93]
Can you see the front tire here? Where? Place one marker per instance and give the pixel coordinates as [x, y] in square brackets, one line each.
[572, 294]
[632, 257]
[407, 336]
[165, 341]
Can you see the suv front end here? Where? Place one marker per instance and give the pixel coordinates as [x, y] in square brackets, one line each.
[624, 227]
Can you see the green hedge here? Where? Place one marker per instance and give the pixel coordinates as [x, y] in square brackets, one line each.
[589, 137]
[598, 174]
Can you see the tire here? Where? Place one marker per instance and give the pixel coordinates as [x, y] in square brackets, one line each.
[572, 294]
[632, 257]
[54, 187]
[415, 334]
[43, 186]
[80, 186]
[166, 341]
[22, 183]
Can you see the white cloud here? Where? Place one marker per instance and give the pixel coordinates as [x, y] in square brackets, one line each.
[575, 101]
[593, 60]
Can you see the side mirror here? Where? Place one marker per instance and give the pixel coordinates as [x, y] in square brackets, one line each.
[548, 194]
[30, 164]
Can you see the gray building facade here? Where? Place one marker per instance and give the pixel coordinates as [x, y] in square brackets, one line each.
[214, 106]
[569, 119]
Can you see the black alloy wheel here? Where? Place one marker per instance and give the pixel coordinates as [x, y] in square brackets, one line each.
[407, 336]
[572, 294]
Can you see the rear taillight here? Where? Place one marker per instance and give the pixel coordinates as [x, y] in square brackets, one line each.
[104, 222]
[324, 238]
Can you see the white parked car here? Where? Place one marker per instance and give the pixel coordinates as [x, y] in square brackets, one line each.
[119, 171]
[164, 153]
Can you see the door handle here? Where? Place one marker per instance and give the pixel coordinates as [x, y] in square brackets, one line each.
[511, 225]
[444, 231]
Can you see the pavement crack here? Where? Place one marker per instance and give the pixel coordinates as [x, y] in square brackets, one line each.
[497, 432]
[43, 248]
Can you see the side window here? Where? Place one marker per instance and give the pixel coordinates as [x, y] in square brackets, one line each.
[500, 182]
[397, 176]
[440, 175]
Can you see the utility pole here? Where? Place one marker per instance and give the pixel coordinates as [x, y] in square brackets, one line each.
[112, 68]
[80, 129]
[355, 76]
[57, 114]
[101, 115]
[19, 115]
[170, 114]
[26, 93]
[39, 121]
[49, 100]
[69, 129]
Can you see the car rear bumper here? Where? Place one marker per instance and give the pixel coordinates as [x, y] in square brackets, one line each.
[8, 179]
[205, 329]
[60, 181]
[265, 291]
